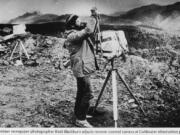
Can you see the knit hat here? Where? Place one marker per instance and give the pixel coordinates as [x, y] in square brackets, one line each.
[71, 20]
[93, 9]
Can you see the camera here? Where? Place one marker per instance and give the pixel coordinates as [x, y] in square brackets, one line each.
[83, 25]
[113, 44]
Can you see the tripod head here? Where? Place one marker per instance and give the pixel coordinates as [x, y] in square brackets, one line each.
[95, 14]
[123, 58]
[94, 11]
[111, 61]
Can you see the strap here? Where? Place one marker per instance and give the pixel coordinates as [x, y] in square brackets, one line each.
[96, 27]
[92, 49]
[119, 42]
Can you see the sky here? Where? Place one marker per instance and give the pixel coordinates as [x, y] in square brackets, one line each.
[12, 8]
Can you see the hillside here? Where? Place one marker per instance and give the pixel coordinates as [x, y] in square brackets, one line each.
[151, 11]
[166, 17]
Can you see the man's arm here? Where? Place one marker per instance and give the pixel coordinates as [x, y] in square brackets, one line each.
[78, 35]
[75, 36]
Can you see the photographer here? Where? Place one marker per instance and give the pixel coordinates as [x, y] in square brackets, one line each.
[82, 63]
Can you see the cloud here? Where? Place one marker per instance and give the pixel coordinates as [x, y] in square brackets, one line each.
[169, 24]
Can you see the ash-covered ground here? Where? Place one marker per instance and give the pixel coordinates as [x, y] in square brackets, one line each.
[41, 93]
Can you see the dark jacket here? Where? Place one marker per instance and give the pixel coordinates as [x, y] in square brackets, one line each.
[81, 54]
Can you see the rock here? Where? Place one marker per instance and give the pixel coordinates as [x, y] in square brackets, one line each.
[176, 63]
[131, 101]
[170, 80]
[3, 103]
[156, 67]
[6, 62]
[145, 119]
[1, 62]
[132, 106]
[140, 96]
[31, 63]
[157, 82]
[138, 80]
[125, 97]
[156, 97]
[132, 50]
[161, 107]
[18, 63]
[2, 48]
[48, 41]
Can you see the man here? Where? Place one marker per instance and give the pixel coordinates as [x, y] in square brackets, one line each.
[82, 61]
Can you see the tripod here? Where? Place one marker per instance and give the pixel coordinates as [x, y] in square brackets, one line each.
[113, 71]
[21, 48]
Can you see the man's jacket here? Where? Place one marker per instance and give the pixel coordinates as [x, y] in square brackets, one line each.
[81, 54]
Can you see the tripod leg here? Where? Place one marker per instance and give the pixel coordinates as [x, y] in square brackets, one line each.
[20, 53]
[25, 51]
[102, 90]
[115, 97]
[13, 51]
[130, 92]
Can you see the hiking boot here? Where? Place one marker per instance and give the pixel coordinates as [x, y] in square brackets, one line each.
[83, 123]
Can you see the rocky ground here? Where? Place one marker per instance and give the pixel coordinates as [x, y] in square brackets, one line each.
[41, 93]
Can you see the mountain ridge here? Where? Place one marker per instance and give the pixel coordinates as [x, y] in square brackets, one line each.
[154, 15]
